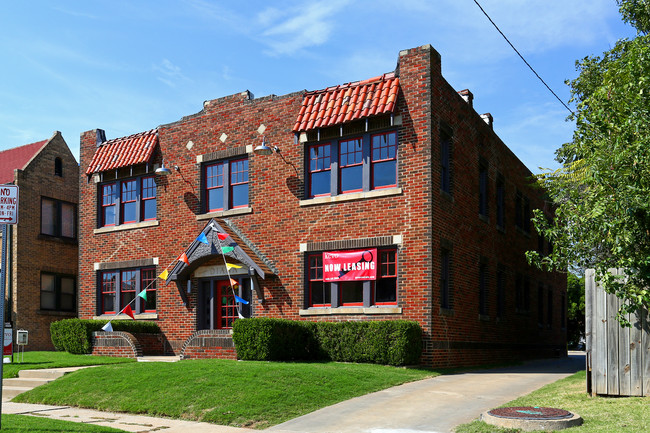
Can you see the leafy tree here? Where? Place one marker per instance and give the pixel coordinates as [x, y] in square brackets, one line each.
[601, 192]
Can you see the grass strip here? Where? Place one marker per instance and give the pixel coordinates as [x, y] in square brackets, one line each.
[242, 394]
[34, 424]
[600, 414]
[36, 360]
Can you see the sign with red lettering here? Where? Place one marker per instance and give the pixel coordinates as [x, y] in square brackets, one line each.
[8, 204]
[8, 349]
[350, 265]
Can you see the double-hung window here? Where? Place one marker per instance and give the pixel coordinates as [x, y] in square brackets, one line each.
[348, 165]
[320, 170]
[381, 289]
[225, 185]
[351, 165]
[128, 201]
[121, 287]
[58, 218]
[58, 292]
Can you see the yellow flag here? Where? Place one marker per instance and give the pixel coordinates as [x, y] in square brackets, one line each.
[230, 266]
[164, 275]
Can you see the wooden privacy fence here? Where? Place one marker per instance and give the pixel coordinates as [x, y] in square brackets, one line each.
[618, 359]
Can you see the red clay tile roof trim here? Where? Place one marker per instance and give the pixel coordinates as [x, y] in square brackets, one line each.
[17, 158]
[124, 151]
[348, 102]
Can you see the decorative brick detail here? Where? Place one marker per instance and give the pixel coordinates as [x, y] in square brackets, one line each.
[118, 343]
[209, 343]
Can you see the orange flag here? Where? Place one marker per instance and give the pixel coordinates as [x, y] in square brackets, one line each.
[183, 258]
[128, 311]
[233, 283]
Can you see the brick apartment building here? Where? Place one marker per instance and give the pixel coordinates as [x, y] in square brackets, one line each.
[389, 198]
[42, 247]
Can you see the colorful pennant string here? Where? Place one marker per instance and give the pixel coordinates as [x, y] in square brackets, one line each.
[227, 250]
[203, 239]
[163, 275]
[242, 300]
[143, 293]
[128, 311]
[232, 266]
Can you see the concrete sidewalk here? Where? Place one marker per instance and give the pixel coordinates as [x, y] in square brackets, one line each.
[431, 405]
[434, 405]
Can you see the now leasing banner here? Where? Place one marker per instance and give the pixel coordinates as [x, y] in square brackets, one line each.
[350, 265]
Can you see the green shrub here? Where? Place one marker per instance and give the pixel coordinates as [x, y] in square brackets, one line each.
[268, 339]
[75, 335]
[392, 342]
[395, 342]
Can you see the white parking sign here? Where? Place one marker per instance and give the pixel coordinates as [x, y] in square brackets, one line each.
[8, 204]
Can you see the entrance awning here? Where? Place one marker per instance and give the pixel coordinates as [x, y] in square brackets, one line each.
[231, 246]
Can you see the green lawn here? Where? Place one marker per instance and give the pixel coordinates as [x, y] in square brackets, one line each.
[245, 394]
[600, 414]
[36, 360]
[34, 424]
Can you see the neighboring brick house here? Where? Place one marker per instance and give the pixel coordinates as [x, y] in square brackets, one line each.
[42, 248]
[398, 175]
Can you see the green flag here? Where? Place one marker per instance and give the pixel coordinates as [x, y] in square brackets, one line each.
[227, 249]
[143, 294]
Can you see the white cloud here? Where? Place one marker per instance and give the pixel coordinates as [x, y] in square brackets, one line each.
[171, 73]
[304, 26]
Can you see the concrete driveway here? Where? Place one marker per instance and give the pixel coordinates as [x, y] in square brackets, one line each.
[434, 405]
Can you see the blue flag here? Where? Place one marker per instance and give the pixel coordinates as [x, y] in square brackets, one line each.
[242, 300]
[203, 238]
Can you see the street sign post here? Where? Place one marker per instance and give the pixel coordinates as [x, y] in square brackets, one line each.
[8, 204]
[8, 215]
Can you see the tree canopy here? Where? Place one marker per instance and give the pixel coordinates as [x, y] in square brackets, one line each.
[601, 193]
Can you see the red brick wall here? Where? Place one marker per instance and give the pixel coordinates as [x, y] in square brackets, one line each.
[278, 224]
[34, 253]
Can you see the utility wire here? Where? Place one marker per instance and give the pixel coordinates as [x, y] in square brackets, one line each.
[522, 58]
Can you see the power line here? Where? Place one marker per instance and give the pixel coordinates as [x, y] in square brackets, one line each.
[522, 58]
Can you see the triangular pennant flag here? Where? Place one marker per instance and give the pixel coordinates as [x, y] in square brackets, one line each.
[163, 275]
[227, 250]
[231, 266]
[240, 316]
[108, 327]
[128, 311]
[222, 236]
[203, 238]
[183, 258]
[242, 300]
[234, 283]
[143, 294]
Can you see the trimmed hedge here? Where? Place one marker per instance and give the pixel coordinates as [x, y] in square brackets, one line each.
[267, 339]
[75, 335]
[393, 342]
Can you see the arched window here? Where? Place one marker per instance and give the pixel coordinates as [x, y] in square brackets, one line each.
[58, 167]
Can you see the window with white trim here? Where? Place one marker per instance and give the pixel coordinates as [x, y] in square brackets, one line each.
[359, 293]
[356, 164]
[127, 201]
[118, 287]
[225, 185]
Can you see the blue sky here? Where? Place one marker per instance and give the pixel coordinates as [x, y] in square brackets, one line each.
[129, 66]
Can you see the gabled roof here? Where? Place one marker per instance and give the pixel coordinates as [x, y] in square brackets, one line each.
[197, 252]
[124, 151]
[348, 102]
[17, 158]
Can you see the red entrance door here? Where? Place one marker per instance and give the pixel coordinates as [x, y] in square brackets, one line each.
[217, 306]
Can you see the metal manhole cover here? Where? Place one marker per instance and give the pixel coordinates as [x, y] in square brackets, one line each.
[530, 413]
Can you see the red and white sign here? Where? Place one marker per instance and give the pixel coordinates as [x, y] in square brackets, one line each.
[350, 265]
[8, 204]
[8, 343]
